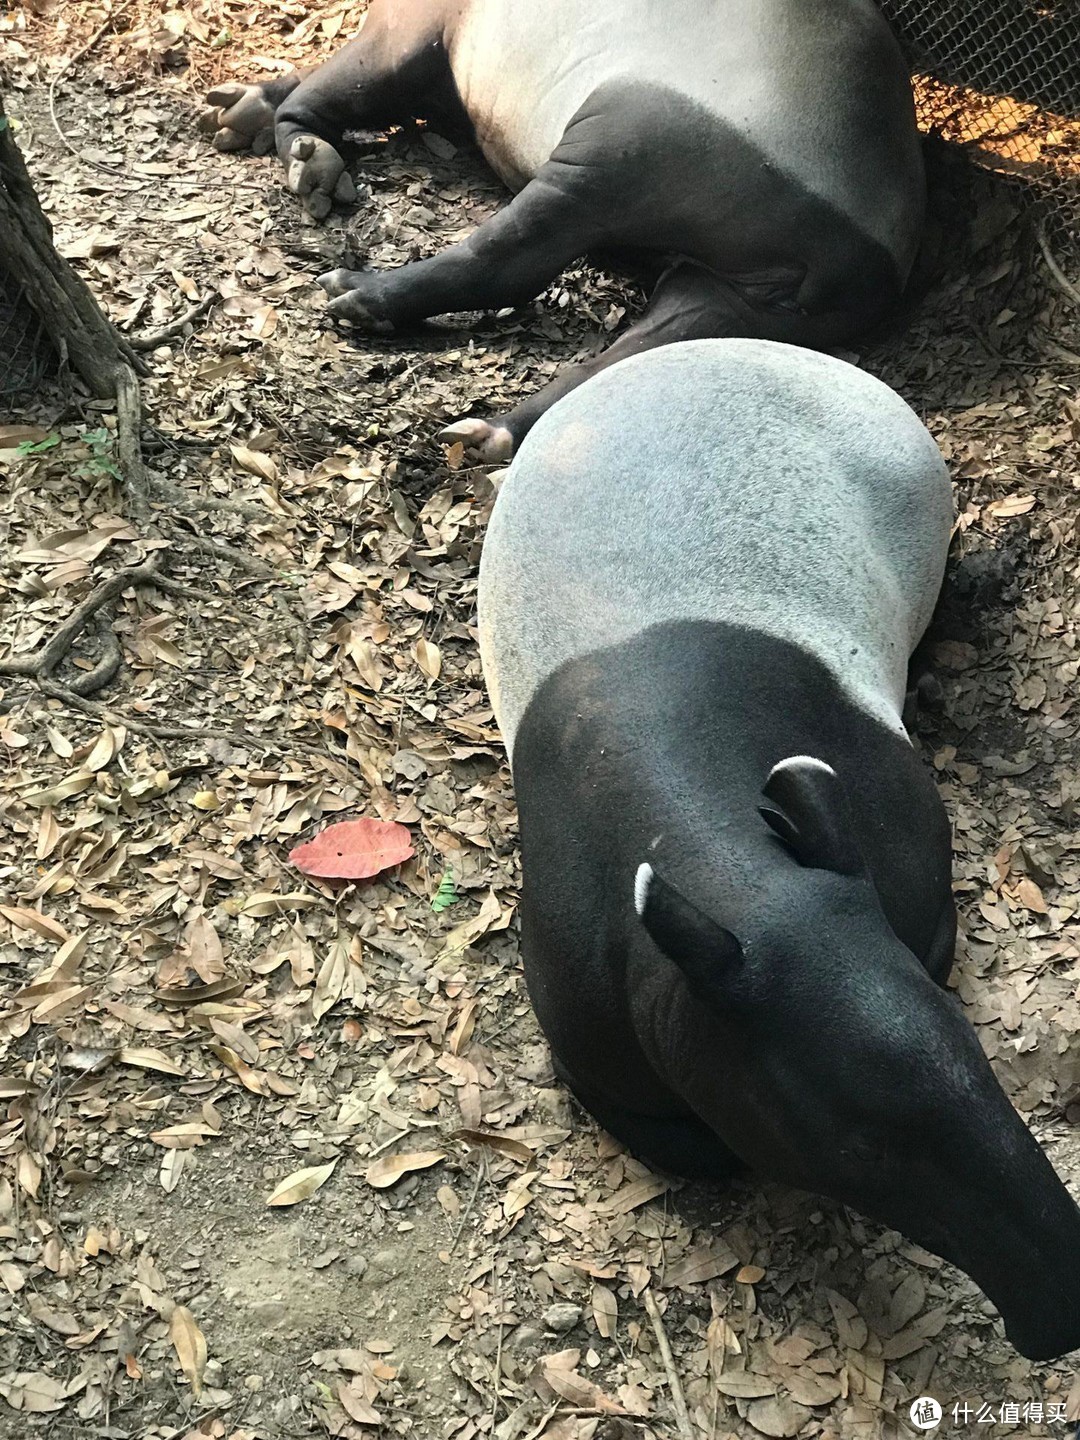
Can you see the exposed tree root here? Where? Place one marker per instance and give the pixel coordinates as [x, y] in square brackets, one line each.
[188, 504]
[158, 337]
[129, 443]
[110, 366]
[109, 714]
[1060, 279]
[106, 669]
[230, 556]
[97, 710]
[174, 587]
[42, 665]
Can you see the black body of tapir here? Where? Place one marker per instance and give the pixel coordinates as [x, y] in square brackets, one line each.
[703, 578]
[761, 156]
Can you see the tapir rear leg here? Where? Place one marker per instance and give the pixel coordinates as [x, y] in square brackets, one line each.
[394, 70]
[690, 302]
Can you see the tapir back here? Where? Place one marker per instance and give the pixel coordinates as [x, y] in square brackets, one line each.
[739, 481]
[777, 72]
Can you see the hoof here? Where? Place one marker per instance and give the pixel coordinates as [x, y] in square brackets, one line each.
[491, 443]
[347, 303]
[315, 173]
[240, 118]
[340, 282]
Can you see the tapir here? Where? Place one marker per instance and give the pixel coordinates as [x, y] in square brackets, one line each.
[704, 577]
[759, 156]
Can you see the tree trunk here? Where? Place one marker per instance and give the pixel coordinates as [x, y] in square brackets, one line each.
[68, 311]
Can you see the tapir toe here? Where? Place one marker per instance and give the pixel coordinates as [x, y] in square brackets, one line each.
[209, 122]
[318, 204]
[240, 117]
[338, 282]
[315, 172]
[227, 139]
[348, 302]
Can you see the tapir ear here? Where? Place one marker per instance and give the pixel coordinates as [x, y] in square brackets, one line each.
[807, 806]
[706, 953]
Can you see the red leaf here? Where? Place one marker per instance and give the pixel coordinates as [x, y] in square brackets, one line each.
[354, 850]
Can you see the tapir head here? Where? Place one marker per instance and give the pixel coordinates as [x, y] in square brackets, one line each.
[832, 1061]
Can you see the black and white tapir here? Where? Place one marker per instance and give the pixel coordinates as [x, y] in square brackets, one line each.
[703, 579]
[760, 156]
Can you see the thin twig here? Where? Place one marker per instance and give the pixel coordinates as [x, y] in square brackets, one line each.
[1062, 281]
[538, 1430]
[158, 337]
[678, 1399]
[498, 1363]
[480, 1170]
[110, 19]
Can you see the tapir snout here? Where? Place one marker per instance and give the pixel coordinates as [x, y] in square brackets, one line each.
[984, 1195]
[1030, 1269]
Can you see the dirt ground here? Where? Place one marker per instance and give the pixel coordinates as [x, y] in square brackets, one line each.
[188, 1021]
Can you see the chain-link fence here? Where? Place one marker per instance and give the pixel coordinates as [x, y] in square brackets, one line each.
[1002, 77]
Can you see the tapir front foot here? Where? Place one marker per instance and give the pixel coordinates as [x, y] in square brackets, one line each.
[240, 117]
[490, 444]
[316, 174]
[354, 297]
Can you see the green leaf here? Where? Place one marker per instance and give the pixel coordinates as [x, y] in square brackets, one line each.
[446, 895]
[38, 447]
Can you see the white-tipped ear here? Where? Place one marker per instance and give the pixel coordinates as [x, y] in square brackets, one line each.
[642, 881]
[801, 762]
[806, 805]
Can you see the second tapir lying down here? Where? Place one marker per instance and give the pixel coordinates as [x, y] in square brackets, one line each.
[761, 154]
[701, 585]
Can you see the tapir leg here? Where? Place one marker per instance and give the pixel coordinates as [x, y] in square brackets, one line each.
[505, 261]
[690, 302]
[394, 70]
